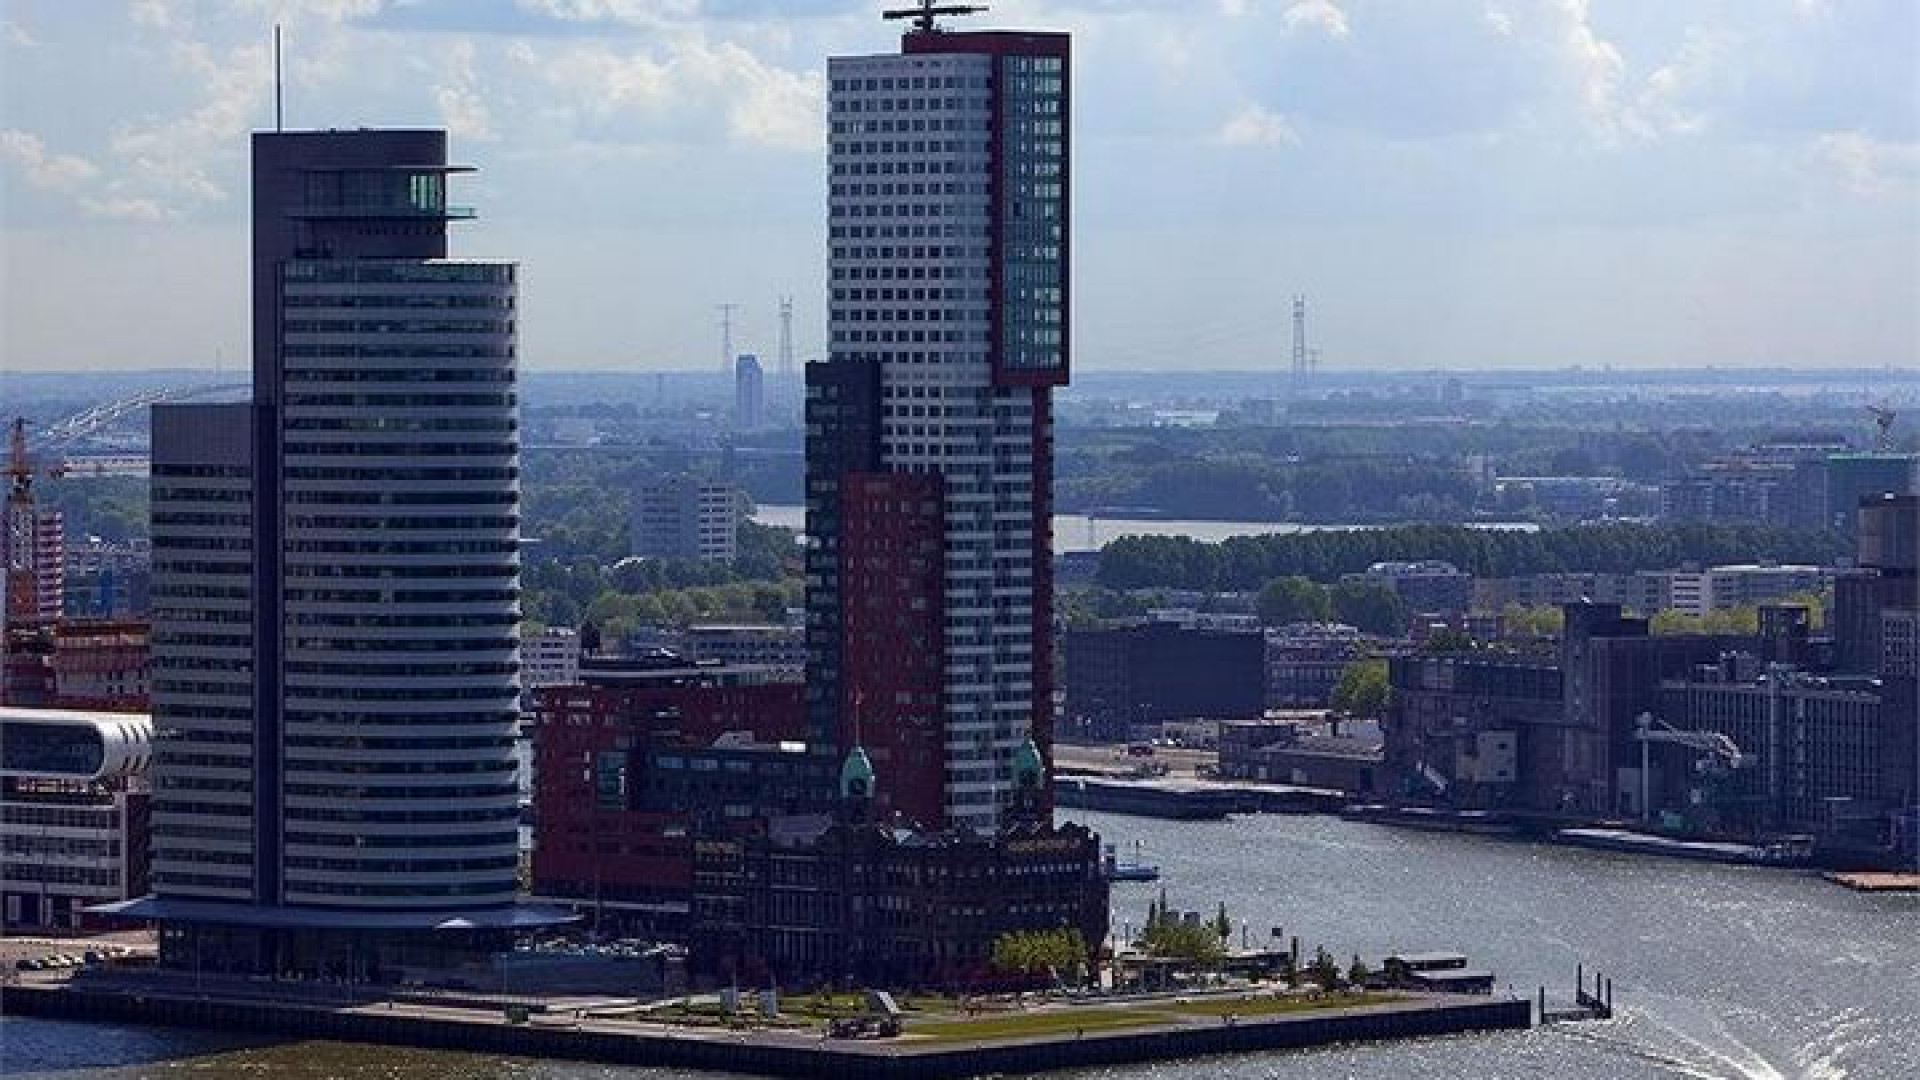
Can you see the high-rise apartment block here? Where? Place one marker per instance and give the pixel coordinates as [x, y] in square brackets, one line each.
[336, 584]
[930, 442]
[32, 544]
[749, 392]
[680, 516]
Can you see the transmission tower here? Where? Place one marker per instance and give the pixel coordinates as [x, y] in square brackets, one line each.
[786, 337]
[726, 337]
[1302, 359]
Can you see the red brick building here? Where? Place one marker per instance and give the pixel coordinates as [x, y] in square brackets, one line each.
[628, 768]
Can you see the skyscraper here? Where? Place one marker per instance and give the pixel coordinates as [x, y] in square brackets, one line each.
[336, 584]
[930, 444]
[749, 392]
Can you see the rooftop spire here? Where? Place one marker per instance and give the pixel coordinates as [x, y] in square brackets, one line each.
[923, 16]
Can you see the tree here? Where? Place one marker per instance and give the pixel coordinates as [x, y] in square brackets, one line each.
[1443, 642]
[1293, 599]
[1545, 620]
[1370, 605]
[1061, 950]
[1177, 938]
[1323, 969]
[1357, 972]
[1363, 688]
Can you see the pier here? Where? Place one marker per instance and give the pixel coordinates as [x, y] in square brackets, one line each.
[1074, 1036]
[1191, 800]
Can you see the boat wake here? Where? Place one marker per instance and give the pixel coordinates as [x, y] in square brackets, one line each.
[1724, 1058]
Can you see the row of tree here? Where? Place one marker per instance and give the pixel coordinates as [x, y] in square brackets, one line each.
[1371, 606]
[1249, 562]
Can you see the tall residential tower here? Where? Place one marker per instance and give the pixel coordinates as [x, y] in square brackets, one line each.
[930, 443]
[336, 583]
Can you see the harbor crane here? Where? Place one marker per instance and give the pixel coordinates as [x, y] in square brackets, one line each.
[1719, 754]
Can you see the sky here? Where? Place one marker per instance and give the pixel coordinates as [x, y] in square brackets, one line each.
[1452, 183]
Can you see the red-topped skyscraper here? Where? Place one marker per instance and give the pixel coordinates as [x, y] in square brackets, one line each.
[930, 443]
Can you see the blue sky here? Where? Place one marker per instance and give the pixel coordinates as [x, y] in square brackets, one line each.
[1453, 183]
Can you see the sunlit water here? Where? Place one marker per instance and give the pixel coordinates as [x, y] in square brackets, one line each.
[1721, 973]
[1079, 532]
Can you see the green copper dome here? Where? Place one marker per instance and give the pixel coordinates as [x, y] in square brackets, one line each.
[856, 775]
[1028, 766]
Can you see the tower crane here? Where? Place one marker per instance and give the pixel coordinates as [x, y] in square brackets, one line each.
[1719, 754]
[1883, 417]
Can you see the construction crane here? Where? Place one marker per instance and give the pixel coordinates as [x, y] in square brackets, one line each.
[1719, 754]
[1883, 417]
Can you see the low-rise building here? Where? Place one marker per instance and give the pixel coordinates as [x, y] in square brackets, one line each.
[1426, 587]
[849, 899]
[1146, 673]
[1808, 744]
[1288, 754]
[631, 763]
[1305, 661]
[782, 647]
[79, 664]
[73, 814]
[550, 658]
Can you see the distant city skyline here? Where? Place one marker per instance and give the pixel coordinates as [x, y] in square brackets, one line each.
[1452, 184]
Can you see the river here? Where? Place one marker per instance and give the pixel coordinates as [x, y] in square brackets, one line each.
[1720, 973]
[1081, 532]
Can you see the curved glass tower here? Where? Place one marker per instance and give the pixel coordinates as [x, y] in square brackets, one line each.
[336, 574]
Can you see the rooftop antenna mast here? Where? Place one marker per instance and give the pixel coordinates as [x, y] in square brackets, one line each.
[923, 16]
[278, 118]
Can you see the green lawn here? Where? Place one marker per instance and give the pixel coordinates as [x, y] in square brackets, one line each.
[1053, 1022]
[1059, 1021]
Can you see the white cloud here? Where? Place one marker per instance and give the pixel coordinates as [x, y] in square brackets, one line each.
[694, 91]
[1255, 125]
[1319, 15]
[461, 107]
[126, 209]
[1667, 102]
[43, 168]
[12, 33]
[1869, 166]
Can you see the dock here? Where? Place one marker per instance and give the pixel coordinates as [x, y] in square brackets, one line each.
[1875, 881]
[1077, 1036]
[1182, 799]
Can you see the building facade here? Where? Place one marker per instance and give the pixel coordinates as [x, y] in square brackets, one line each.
[1807, 742]
[73, 814]
[630, 766]
[852, 899]
[749, 392]
[550, 658]
[947, 322]
[1145, 674]
[759, 644]
[336, 584]
[1426, 587]
[684, 517]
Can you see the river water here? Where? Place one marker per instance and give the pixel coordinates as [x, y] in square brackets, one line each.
[1720, 973]
[1079, 532]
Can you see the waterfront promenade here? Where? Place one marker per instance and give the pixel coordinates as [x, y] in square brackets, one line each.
[1056, 1036]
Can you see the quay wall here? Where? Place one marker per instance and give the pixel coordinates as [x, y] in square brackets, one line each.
[771, 1057]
